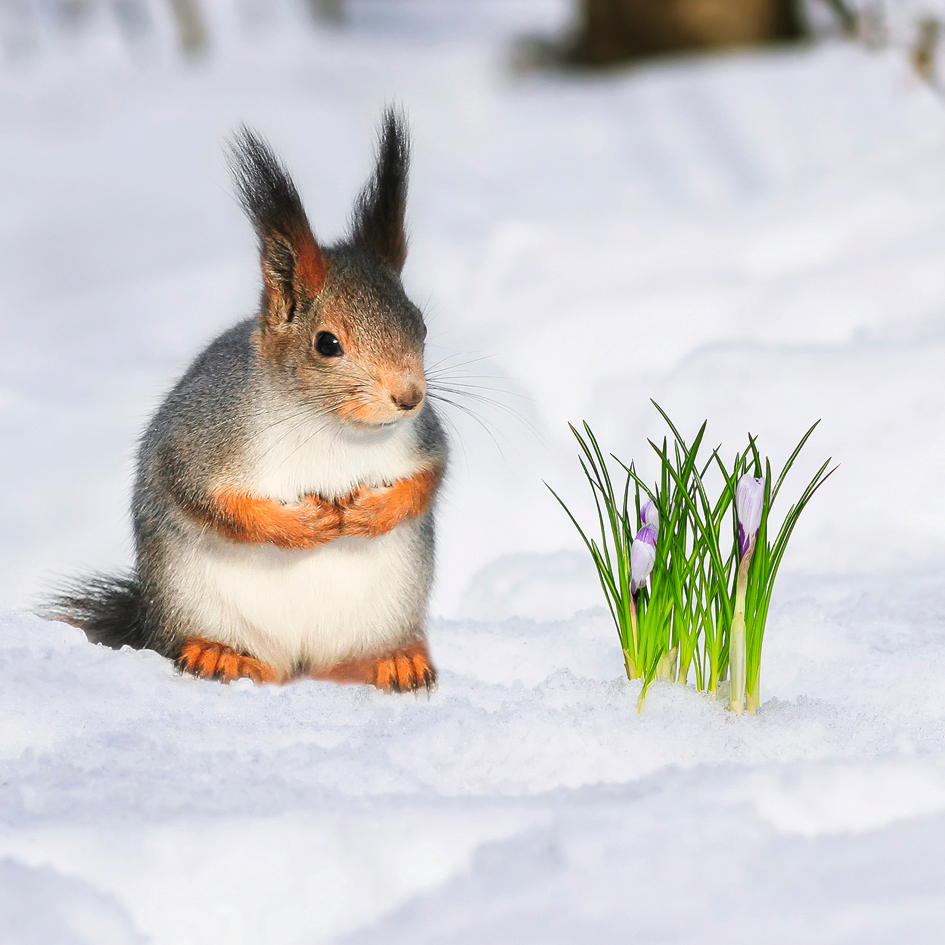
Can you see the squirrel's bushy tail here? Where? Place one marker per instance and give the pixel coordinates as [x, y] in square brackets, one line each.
[110, 609]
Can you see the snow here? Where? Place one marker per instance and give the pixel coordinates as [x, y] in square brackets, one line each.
[755, 239]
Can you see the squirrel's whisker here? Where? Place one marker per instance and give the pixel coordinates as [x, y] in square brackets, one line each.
[472, 413]
[492, 402]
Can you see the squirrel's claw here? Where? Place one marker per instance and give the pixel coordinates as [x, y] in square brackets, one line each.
[211, 660]
[406, 671]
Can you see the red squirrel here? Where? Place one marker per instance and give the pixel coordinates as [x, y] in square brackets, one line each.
[284, 501]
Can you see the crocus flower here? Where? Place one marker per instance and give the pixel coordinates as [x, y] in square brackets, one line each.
[649, 514]
[749, 500]
[642, 557]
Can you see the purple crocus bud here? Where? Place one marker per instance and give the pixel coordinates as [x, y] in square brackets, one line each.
[642, 557]
[649, 514]
[749, 500]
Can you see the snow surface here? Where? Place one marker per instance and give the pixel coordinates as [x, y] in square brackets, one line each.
[757, 239]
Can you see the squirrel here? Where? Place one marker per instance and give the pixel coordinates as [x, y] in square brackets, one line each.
[283, 505]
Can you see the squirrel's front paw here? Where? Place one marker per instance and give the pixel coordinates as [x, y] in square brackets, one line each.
[367, 513]
[212, 660]
[322, 518]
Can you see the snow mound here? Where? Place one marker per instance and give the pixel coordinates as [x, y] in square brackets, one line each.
[39, 906]
[525, 799]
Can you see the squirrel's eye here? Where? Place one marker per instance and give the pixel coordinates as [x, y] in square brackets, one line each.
[327, 345]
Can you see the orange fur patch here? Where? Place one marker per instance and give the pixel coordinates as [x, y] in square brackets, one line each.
[243, 517]
[212, 660]
[375, 412]
[402, 671]
[372, 512]
[311, 265]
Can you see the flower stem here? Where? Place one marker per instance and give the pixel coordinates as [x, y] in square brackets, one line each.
[630, 656]
[737, 656]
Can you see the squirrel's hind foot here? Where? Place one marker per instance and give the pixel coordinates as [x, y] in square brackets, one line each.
[211, 660]
[406, 670]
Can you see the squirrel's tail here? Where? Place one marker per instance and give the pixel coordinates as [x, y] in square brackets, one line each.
[110, 609]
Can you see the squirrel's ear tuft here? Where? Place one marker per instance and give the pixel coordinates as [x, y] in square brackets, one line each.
[378, 220]
[293, 265]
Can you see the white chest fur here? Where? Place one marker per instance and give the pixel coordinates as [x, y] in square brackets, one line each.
[291, 457]
[350, 597]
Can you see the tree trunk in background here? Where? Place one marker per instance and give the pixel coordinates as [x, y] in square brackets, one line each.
[191, 31]
[613, 31]
[328, 11]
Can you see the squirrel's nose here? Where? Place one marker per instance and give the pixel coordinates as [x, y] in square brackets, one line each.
[408, 397]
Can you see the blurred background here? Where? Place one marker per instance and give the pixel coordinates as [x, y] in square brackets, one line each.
[578, 33]
[732, 206]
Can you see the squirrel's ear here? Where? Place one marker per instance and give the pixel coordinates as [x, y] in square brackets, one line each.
[293, 265]
[378, 220]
